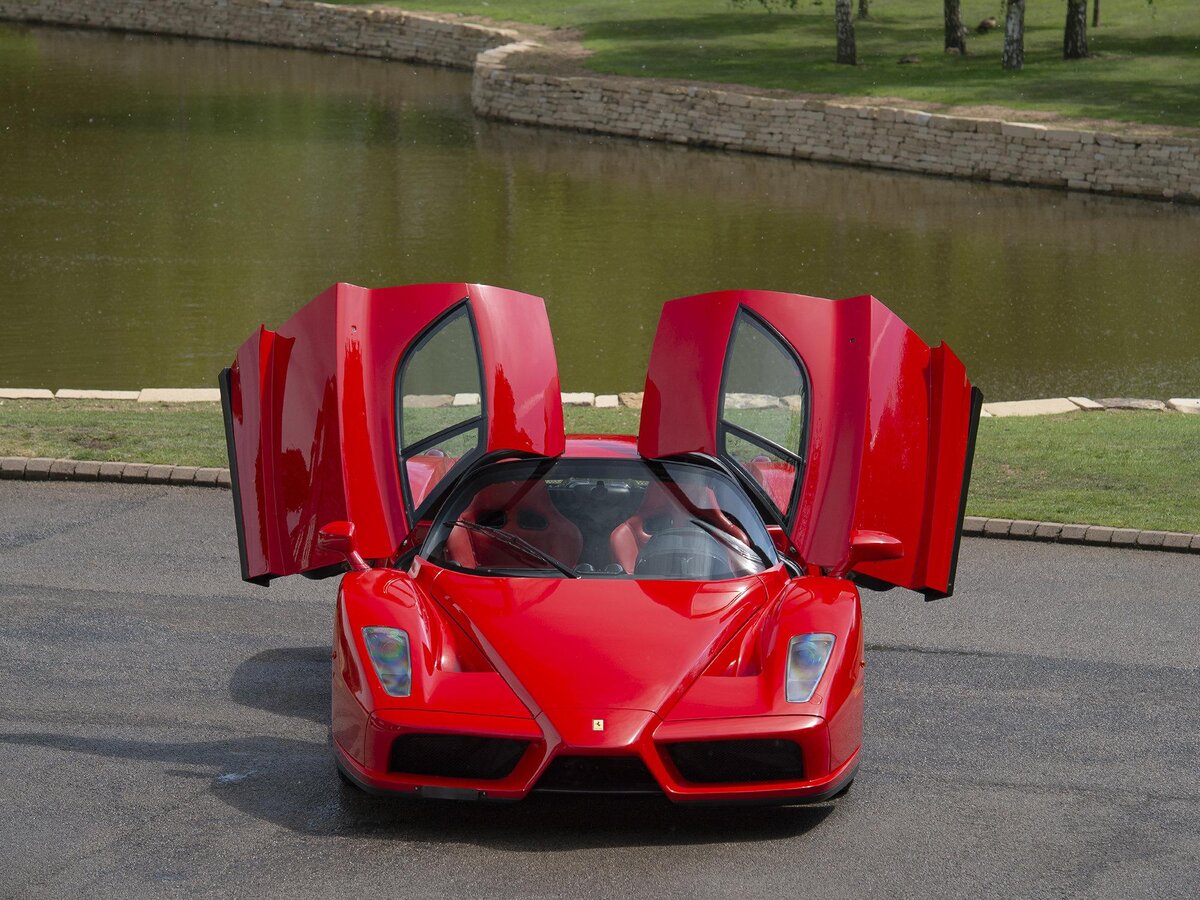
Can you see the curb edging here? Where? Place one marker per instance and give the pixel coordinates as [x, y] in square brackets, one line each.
[42, 468]
[1045, 406]
[1080, 533]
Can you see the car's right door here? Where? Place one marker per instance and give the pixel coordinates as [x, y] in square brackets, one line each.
[845, 422]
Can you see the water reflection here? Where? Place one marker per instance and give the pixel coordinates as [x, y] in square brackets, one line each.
[160, 198]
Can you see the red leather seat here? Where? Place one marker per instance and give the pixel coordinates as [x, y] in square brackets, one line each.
[660, 510]
[521, 509]
[776, 478]
[425, 471]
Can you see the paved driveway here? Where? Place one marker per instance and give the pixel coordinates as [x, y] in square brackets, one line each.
[163, 732]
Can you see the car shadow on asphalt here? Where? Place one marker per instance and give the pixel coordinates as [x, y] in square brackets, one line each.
[289, 681]
[293, 783]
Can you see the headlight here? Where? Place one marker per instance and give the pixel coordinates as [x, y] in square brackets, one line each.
[388, 649]
[808, 654]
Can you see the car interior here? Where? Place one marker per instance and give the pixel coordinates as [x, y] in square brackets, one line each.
[602, 518]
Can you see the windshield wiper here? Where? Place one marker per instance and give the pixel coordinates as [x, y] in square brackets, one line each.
[741, 548]
[519, 543]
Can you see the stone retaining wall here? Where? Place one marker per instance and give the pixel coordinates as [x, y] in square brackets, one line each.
[844, 132]
[388, 33]
[1159, 167]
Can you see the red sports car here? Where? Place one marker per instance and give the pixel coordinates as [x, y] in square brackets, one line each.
[520, 610]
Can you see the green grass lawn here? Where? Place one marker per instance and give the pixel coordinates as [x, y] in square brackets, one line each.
[1127, 469]
[1145, 68]
[186, 434]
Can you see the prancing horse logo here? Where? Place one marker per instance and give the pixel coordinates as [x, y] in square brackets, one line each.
[597, 724]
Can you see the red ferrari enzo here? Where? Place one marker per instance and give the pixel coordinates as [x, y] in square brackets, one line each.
[520, 610]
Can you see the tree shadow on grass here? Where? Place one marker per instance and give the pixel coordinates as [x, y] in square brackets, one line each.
[710, 26]
[293, 783]
[1182, 45]
[718, 26]
[1095, 88]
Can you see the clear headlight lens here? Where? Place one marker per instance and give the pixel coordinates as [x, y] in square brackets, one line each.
[388, 649]
[808, 655]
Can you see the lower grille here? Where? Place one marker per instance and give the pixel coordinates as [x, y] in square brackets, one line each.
[738, 762]
[455, 756]
[598, 775]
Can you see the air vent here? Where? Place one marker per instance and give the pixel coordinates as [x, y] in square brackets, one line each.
[738, 762]
[598, 775]
[455, 756]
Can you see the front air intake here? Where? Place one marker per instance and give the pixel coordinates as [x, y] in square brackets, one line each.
[738, 762]
[598, 775]
[455, 756]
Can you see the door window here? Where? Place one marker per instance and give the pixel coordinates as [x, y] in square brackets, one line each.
[764, 400]
[439, 404]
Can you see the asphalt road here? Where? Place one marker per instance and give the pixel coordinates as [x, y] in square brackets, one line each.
[163, 732]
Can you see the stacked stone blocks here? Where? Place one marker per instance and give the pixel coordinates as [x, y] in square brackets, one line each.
[382, 32]
[804, 128]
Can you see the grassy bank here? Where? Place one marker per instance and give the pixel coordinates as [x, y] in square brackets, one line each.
[186, 434]
[1128, 469]
[1144, 67]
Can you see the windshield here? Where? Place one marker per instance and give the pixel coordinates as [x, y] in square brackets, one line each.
[601, 518]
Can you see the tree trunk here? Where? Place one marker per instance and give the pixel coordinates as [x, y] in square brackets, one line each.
[846, 51]
[864, 9]
[1075, 32]
[1095, 13]
[1013, 57]
[956, 32]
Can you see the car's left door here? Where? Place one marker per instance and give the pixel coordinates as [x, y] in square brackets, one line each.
[367, 404]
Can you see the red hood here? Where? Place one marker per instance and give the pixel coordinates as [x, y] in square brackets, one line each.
[599, 644]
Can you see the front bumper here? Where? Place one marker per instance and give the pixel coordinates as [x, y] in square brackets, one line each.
[643, 761]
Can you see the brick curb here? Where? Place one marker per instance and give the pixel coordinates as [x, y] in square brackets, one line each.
[1046, 406]
[1091, 535]
[21, 468]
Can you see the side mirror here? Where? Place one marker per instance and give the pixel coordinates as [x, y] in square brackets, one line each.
[338, 537]
[869, 546]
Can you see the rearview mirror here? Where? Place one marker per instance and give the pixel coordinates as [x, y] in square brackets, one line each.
[869, 546]
[338, 537]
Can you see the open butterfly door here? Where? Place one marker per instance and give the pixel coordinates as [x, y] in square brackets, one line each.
[367, 404]
[848, 426]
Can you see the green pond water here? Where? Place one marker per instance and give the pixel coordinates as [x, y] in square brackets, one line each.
[159, 198]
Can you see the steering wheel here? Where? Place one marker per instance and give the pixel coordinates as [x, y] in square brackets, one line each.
[689, 553]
